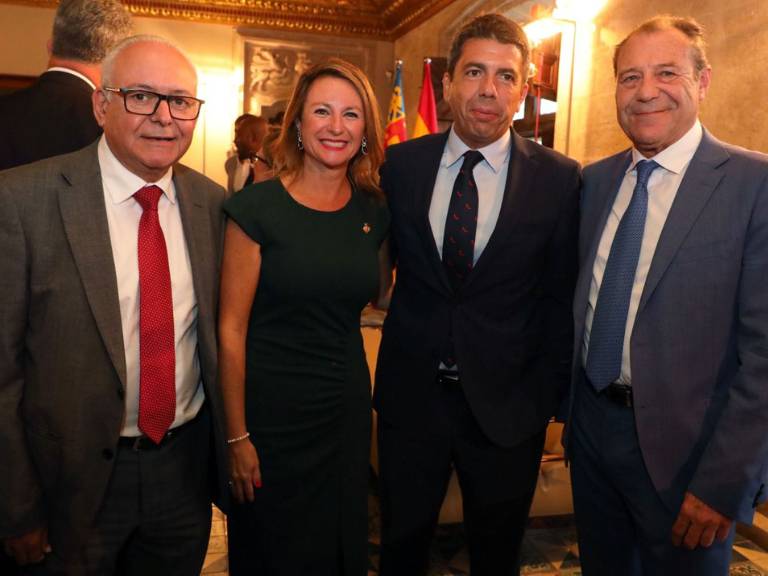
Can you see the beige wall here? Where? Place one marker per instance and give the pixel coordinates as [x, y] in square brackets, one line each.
[217, 52]
[734, 110]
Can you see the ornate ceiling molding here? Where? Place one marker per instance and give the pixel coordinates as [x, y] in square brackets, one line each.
[372, 19]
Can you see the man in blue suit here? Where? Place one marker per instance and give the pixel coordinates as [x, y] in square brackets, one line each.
[668, 435]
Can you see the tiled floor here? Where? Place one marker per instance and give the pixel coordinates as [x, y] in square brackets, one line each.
[549, 549]
[216, 559]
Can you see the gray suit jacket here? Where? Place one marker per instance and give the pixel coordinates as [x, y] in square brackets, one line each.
[62, 360]
[699, 348]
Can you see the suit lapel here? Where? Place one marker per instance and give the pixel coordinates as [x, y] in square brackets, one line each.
[591, 230]
[424, 185]
[701, 179]
[605, 194]
[84, 215]
[195, 221]
[521, 173]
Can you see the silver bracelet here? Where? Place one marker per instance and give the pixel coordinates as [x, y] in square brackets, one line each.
[238, 439]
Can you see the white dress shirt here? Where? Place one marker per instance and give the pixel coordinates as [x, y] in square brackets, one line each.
[662, 189]
[242, 170]
[490, 177]
[123, 215]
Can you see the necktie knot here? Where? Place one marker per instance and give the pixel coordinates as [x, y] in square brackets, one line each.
[148, 197]
[644, 169]
[471, 159]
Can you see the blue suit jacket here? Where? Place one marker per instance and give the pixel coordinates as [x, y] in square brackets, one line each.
[699, 347]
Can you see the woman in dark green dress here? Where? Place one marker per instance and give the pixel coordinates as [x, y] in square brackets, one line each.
[304, 253]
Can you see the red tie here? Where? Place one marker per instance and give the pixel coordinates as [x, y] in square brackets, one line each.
[157, 392]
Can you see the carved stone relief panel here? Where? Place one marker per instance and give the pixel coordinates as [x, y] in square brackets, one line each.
[272, 69]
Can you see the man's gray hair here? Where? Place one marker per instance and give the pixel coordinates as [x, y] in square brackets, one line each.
[108, 65]
[86, 30]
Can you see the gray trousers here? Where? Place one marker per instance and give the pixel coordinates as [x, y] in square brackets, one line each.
[156, 515]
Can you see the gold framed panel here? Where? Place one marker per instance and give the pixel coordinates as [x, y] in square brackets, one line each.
[379, 19]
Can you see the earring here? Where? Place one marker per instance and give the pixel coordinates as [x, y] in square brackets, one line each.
[364, 146]
[299, 142]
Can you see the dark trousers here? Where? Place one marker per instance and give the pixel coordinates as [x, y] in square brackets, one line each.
[156, 515]
[624, 527]
[497, 486]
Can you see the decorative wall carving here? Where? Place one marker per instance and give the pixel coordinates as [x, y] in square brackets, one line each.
[378, 19]
[272, 69]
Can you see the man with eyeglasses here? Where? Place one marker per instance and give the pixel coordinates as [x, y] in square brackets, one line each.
[109, 414]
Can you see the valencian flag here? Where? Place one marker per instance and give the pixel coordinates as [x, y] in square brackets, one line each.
[426, 121]
[395, 131]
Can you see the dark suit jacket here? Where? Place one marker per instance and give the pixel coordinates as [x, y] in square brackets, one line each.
[53, 116]
[62, 359]
[510, 321]
[699, 348]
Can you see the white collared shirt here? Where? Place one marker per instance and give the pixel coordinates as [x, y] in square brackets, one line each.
[123, 215]
[662, 189]
[242, 170]
[74, 73]
[490, 177]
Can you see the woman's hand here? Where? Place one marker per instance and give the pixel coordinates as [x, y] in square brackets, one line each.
[244, 470]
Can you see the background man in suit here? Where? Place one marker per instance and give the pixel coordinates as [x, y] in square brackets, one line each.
[108, 281]
[250, 131]
[54, 115]
[476, 347]
[668, 435]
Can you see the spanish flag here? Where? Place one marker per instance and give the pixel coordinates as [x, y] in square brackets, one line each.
[426, 121]
[395, 132]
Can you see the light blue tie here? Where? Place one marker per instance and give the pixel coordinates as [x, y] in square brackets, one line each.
[606, 339]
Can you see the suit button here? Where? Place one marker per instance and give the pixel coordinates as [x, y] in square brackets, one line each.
[121, 393]
[107, 454]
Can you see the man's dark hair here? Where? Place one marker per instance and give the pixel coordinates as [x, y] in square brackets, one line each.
[688, 26]
[86, 30]
[491, 27]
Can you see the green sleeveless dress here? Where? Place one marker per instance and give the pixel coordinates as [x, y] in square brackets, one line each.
[307, 389]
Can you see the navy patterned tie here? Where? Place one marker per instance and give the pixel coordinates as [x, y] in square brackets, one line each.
[606, 339]
[461, 222]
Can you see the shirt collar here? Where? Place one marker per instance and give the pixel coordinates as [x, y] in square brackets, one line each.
[74, 73]
[124, 183]
[495, 154]
[674, 158]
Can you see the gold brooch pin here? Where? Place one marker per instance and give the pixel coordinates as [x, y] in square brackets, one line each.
[366, 227]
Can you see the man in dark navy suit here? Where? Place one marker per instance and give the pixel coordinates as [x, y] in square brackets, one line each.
[476, 347]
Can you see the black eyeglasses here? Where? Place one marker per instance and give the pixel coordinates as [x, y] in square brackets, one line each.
[145, 103]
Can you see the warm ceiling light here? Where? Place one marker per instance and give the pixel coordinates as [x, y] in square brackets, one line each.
[579, 10]
[539, 30]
